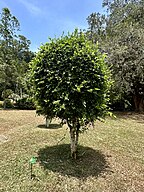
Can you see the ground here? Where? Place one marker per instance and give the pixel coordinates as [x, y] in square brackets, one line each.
[110, 155]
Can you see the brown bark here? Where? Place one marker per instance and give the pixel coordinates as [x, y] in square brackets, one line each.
[139, 103]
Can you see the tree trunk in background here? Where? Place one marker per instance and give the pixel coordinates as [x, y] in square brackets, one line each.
[48, 122]
[4, 98]
[4, 104]
[139, 103]
[21, 93]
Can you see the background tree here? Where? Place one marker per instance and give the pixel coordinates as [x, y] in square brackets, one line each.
[14, 53]
[22, 57]
[96, 30]
[71, 81]
[125, 31]
[124, 44]
[8, 27]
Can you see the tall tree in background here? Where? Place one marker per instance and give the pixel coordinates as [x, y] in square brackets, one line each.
[23, 56]
[124, 43]
[14, 52]
[96, 30]
[125, 32]
[9, 25]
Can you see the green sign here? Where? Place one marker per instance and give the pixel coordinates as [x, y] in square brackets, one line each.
[33, 160]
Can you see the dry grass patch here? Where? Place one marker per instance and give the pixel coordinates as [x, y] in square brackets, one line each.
[110, 155]
[10, 119]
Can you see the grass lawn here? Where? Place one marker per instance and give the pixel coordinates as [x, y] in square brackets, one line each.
[110, 155]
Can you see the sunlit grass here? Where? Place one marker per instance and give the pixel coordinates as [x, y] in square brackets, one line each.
[110, 155]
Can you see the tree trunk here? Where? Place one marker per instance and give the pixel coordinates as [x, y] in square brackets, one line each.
[74, 135]
[139, 103]
[4, 104]
[48, 122]
[73, 143]
[21, 93]
[4, 98]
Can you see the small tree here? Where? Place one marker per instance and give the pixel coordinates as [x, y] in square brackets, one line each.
[71, 81]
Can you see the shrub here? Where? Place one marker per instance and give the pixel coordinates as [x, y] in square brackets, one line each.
[7, 104]
[25, 103]
[6, 93]
[14, 97]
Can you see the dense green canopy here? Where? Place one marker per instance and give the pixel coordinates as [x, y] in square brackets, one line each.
[71, 78]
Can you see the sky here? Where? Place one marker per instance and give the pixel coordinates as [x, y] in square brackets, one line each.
[40, 19]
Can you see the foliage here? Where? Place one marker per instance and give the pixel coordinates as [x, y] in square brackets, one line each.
[71, 80]
[6, 93]
[8, 104]
[8, 26]
[124, 42]
[25, 103]
[14, 97]
[14, 53]
[126, 52]
[96, 29]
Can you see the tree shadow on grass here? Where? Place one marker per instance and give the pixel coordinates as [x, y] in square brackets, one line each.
[51, 126]
[89, 163]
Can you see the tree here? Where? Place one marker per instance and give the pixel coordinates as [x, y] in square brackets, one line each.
[71, 81]
[125, 31]
[14, 53]
[124, 43]
[96, 31]
[8, 27]
[22, 57]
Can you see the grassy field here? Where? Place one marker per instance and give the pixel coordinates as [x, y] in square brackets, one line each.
[110, 155]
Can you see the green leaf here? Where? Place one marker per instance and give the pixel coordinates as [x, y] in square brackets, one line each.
[90, 90]
[56, 102]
